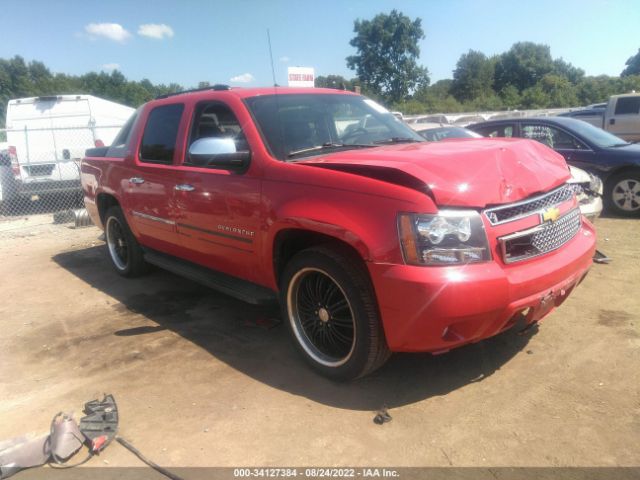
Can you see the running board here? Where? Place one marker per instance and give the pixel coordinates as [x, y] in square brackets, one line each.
[232, 286]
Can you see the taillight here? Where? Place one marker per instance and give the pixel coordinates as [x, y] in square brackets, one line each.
[15, 164]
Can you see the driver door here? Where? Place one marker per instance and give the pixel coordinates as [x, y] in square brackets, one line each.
[217, 210]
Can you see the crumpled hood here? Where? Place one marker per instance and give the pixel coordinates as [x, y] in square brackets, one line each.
[465, 173]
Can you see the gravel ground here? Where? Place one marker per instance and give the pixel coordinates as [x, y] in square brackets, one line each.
[204, 380]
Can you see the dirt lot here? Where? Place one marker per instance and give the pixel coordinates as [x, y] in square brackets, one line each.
[203, 379]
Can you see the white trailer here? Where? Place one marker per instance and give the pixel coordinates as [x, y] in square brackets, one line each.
[48, 137]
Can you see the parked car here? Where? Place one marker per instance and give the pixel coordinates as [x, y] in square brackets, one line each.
[48, 137]
[614, 160]
[427, 121]
[373, 240]
[435, 134]
[620, 116]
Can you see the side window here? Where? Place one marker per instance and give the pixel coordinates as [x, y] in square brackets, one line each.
[499, 131]
[628, 106]
[160, 133]
[119, 144]
[217, 120]
[552, 137]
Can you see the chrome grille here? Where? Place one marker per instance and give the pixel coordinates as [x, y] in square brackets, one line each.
[513, 211]
[542, 239]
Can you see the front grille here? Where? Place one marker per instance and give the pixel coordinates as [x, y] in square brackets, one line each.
[39, 170]
[513, 211]
[542, 239]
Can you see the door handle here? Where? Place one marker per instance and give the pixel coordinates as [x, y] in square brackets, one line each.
[136, 180]
[612, 121]
[185, 187]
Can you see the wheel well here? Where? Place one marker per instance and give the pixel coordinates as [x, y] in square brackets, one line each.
[290, 242]
[104, 202]
[627, 169]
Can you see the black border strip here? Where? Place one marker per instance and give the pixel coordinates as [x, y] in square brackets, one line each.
[338, 473]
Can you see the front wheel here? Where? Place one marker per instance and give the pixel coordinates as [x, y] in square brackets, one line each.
[623, 194]
[125, 252]
[330, 308]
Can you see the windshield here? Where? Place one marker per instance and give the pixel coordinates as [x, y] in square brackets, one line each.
[299, 125]
[596, 135]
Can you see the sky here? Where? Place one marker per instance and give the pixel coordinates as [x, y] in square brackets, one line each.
[188, 41]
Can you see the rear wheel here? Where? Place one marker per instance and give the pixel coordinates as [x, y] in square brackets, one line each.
[330, 308]
[623, 194]
[124, 250]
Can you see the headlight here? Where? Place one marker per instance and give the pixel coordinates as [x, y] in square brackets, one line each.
[452, 237]
[595, 185]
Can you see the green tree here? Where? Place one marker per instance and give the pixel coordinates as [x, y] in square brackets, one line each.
[473, 76]
[337, 82]
[510, 97]
[523, 65]
[387, 54]
[596, 89]
[632, 65]
[485, 102]
[437, 98]
[565, 69]
[535, 97]
[560, 91]
[630, 83]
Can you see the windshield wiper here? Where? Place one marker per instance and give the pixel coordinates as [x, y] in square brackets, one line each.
[618, 145]
[328, 146]
[393, 140]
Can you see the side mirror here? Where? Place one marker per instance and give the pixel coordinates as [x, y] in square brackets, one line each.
[219, 153]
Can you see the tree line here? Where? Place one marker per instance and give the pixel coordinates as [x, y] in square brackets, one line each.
[19, 79]
[386, 66]
[524, 77]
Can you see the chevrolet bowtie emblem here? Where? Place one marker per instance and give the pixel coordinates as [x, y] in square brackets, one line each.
[550, 214]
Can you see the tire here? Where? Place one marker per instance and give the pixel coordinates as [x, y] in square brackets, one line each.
[124, 250]
[622, 194]
[330, 308]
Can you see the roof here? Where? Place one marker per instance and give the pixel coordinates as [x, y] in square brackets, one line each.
[258, 91]
[632, 94]
[562, 121]
[52, 97]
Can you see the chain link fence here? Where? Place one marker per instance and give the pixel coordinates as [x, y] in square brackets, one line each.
[40, 173]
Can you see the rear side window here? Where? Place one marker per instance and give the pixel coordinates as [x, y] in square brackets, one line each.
[551, 137]
[628, 106]
[160, 133]
[119, 146]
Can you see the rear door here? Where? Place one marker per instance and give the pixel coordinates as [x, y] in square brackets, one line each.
[149, 184]
[218, 211]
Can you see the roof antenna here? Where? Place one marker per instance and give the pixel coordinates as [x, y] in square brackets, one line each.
[273, 71]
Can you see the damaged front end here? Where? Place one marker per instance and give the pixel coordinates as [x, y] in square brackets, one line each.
[588, 189]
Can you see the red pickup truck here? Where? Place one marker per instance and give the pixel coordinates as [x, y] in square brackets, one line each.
[373, 240]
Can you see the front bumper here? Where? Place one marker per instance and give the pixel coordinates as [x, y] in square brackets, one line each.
[435, 309]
